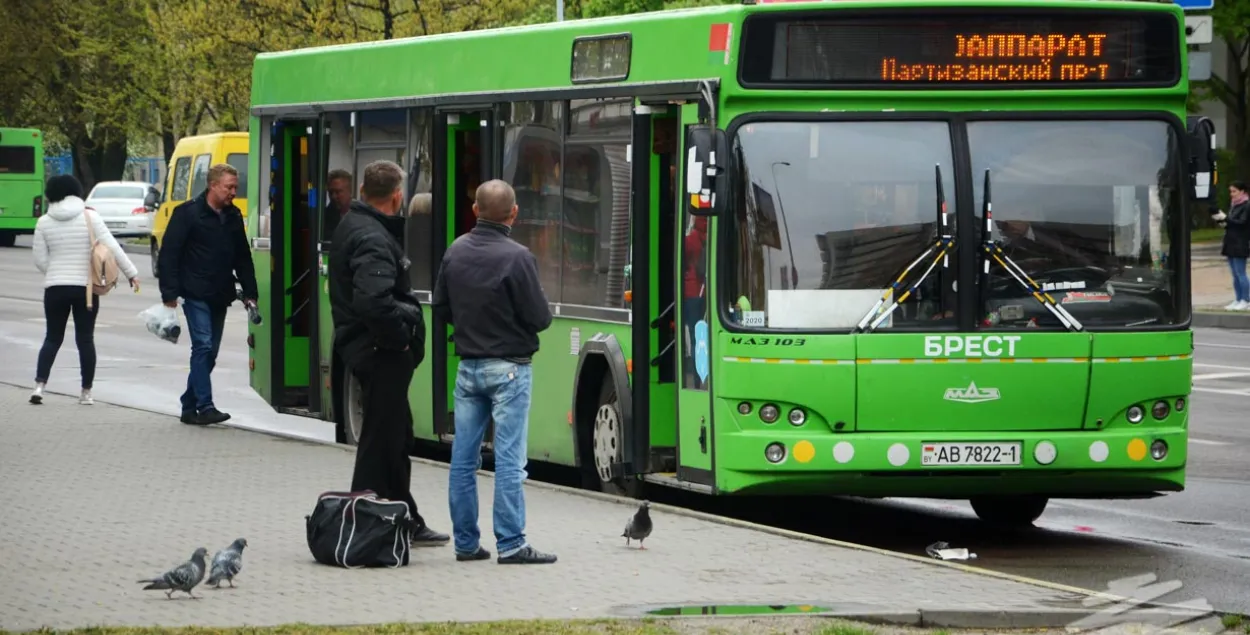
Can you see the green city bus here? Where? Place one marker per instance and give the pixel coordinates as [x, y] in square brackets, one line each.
[994, 305]
[21, 182]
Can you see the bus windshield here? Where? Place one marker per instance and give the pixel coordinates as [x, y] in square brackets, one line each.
[1085, 208]
[828, 214]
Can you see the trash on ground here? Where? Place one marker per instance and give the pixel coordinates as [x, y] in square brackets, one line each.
[942, 551]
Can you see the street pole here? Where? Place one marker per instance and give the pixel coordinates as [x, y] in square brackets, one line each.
[559, 10]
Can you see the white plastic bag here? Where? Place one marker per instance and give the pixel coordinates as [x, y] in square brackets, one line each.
[162, 321]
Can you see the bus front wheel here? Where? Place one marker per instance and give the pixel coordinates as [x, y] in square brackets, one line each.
[353, 408]
[607, 443]
[156, 255]
[1013, 511]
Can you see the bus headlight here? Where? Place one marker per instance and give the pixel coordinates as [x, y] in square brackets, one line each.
[797, 417]
[1180, 404]
[1160, 409]
[1135, 414]
[769, 413]
[1159, 450]
[775, 452]
[744, 408]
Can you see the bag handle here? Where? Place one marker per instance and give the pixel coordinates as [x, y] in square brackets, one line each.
[90, 251]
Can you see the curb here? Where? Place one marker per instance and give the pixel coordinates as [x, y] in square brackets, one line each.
[131, 248]
[926, 617]
[1221, 319]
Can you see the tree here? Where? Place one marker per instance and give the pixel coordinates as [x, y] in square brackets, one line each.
[73, 67]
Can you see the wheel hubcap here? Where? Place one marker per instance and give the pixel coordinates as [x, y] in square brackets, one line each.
[607, 441]
[355, 408]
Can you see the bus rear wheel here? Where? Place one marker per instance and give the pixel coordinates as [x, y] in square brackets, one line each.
[353, 408]
[607, 443]
[156, 255]
[1011, 511]
[8, 239]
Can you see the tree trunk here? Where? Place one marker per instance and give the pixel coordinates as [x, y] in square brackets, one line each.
[95, 162]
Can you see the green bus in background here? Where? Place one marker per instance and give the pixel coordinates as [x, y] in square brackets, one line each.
[21, 182]
[930, 248]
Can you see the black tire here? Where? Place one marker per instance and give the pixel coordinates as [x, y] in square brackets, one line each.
[608, 419]
[8, 239]
[155, 251]
[1009, 511]
[353, 413]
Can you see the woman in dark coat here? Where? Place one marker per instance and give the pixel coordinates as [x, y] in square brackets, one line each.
[1237, 243]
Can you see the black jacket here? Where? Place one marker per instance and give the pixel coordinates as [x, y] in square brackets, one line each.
[488, 289]
[371, 299]
[1237, 232]
[203, 253]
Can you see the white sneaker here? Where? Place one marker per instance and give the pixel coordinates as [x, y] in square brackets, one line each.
[86, 399]
[1242, 306]
[36, 397]
[1235, 305]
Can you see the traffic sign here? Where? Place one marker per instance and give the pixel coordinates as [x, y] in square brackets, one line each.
[1195, 5]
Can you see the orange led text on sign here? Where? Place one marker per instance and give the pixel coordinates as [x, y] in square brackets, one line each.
[1011, 57]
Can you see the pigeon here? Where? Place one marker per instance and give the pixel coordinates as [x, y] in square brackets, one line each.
[227, 563]
[184, 577]
[639, 525]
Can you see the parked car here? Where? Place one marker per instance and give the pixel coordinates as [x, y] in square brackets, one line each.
[122, 205]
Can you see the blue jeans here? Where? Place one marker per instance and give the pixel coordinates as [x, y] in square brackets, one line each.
[205, 324]
[488, 388]
[1241, 283]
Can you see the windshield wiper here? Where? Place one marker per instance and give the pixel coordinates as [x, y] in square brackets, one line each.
[993, 251]
[941, 247]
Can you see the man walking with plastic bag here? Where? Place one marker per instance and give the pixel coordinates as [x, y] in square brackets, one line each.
[204, 251]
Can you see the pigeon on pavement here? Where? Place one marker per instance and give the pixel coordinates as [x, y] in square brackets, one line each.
[639, 525]
[227, 563]
[183, 578]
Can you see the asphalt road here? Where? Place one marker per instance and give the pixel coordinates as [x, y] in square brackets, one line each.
[1200, 537]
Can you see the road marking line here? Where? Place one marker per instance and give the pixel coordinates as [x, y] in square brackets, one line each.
[1207, 442]
[1245, 392]
[1219, 376]
[1222, 345]
[1245, 368]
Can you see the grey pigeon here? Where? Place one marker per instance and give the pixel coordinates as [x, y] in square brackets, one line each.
[227, 563]
[639, 525]
[183, 578]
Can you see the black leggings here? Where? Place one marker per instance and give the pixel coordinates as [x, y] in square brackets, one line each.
[58, 303]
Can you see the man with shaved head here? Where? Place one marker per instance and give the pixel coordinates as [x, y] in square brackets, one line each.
[488, 289]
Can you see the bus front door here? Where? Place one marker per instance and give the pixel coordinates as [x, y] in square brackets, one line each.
[464, 158]
[292, 316]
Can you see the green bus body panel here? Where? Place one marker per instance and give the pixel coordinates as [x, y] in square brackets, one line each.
[18, 192]
[872, 401]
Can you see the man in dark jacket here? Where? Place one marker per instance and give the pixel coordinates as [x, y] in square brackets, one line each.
[204, 251]
[379, 334]
[488, 288]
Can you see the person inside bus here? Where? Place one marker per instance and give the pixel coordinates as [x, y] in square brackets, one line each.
[339, 191]
[61, 247]
[379, 333]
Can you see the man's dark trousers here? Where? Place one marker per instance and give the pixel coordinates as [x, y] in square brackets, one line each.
[386, 438]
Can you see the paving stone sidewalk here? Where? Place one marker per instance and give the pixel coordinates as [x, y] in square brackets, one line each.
[98, 497]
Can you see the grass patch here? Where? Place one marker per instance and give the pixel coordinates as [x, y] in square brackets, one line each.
[1231, 621]
[512, 627]
[1206, 235]
[845, 629]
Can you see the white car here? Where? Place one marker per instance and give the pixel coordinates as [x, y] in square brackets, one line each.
[121, 205]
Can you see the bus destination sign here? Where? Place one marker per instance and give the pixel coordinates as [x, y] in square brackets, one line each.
[1036, 50]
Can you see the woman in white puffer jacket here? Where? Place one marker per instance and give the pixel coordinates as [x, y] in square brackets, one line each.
[62, 250]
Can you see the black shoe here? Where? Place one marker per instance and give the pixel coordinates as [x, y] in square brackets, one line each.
[528, 555]
[426, 537]
[211, 415]
[480, 554]
[188, 416]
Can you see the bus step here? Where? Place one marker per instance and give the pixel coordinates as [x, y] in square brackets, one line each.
[669, 479]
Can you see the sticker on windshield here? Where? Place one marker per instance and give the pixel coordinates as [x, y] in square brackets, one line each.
[1083, 297]
[1063, 286]
[700, 350]
[753, 318]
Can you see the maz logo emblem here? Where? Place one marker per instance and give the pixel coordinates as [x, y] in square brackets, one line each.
[972, 394]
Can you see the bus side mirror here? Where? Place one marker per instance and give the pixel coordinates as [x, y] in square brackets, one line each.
[150, 201]
[1202, 159]
[707, 184]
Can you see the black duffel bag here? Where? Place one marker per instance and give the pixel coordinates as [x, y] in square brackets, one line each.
[358, 529]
